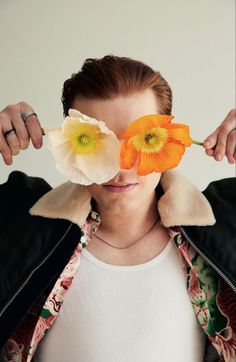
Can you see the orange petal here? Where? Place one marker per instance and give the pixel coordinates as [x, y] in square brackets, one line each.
[171, 154]
[149, 162]
[166, 159]
[143, 124]
[180, 133]
[128, 155]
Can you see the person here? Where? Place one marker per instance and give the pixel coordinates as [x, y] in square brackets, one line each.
[136, 268]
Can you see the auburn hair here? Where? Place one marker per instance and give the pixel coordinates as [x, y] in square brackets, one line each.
[113, 76]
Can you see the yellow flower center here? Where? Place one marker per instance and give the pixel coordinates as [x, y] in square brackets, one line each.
[85, 139]
[152, 141]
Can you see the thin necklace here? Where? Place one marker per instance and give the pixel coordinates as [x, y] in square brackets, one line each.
[134, 242]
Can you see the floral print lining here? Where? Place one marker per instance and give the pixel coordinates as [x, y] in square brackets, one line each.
[214, 302]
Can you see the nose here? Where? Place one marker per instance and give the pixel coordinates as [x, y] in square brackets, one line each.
[126, 175]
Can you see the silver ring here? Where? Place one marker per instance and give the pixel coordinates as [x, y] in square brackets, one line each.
[25, 115]
[10, 131]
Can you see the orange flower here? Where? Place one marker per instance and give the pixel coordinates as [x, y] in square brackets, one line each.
[154, 143]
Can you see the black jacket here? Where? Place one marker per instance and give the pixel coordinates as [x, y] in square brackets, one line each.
[34, 250]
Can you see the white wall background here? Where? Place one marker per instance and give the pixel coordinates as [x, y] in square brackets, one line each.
[191, 42]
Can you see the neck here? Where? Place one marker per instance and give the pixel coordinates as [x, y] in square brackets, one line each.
[128, 225]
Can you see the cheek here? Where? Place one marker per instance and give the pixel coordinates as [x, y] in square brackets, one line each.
[151, 181]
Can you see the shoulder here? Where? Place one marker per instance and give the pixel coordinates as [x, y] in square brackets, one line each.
[222, 196]
[19, 193]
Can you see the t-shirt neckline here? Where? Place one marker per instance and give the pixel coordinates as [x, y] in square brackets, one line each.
[155, 260]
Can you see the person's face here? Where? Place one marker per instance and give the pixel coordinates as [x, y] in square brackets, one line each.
[117, 113]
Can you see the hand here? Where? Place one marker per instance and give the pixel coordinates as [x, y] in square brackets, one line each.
[19, 139]
[222, 142]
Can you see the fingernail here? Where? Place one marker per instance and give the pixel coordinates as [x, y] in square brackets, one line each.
[219, 156]
[207, 143]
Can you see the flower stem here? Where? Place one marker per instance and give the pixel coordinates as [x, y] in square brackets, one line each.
[197, 142]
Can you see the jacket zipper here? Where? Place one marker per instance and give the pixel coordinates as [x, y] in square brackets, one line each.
[209, 261]
[34, 270]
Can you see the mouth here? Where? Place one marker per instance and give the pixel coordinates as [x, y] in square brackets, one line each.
[118, 187]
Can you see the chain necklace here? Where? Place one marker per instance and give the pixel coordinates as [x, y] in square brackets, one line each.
[134, 242]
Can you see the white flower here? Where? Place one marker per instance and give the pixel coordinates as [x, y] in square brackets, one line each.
[85, 150]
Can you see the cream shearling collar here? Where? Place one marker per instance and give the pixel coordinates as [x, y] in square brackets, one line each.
[181, 204]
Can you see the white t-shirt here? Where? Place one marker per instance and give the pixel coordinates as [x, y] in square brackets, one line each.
[131, 313]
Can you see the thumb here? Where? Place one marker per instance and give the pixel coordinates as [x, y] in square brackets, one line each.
[211, 140]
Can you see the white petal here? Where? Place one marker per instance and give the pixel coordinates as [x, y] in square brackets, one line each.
[103, 165]
[62, 152]
[74, 113]
[83, 118]
[55, 138]
[65, 158]
[64, 164]
[73, 174]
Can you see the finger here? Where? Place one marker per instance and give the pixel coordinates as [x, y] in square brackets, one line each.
[229, 122]
[35, 131]
[10, 139]
[209, 152]
[32, 125]
[220, 149]
[21, 130]
[218, 139]
[211, 140]
[230, 147]
[13, 143]
[11, 118]
[5, 149]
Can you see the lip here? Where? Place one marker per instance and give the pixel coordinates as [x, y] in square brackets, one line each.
[121, 184]
[120, 187]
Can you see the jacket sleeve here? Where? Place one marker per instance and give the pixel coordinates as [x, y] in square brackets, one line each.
[20, 246]
[19, 193]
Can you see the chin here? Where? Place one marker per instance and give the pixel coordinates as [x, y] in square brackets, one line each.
[122, 205]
